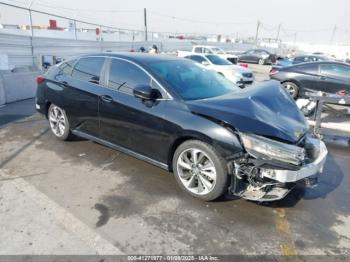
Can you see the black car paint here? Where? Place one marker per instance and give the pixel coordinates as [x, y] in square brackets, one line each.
[151, 130]
[278, 117]
[256, 56]
[308, 78]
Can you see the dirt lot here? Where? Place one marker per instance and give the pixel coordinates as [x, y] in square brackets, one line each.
[82, 198]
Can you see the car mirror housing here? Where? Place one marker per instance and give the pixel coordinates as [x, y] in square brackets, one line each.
[146, 92]
[205, 63]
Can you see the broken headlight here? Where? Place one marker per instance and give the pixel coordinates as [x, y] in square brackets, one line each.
[268, 149]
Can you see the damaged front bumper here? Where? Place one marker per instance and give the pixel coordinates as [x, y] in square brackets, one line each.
[271, 184]
[287, 176]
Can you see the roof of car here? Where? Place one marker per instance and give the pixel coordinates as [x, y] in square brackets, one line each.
[138, 57]
[317, 63]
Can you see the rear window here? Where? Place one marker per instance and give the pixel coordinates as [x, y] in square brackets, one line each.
[196, 58]
[217, 60]
[66, 67]
[308, 68]
[89, 69]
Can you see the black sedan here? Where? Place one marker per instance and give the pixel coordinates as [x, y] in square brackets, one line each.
[259, 56]
[299, 60]
[173, 113]
[328, 77]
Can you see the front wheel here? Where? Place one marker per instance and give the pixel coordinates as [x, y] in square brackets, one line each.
[291, 88]
[59, 123]
[200, 170]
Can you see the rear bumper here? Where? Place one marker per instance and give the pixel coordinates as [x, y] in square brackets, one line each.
[308, 170]
[40, 107]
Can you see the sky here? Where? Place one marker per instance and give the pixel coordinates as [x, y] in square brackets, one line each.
[306, 20]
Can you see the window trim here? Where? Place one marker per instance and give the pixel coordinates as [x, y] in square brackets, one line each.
[104, 77]
[169, 97]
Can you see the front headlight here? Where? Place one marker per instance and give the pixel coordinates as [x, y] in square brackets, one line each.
[268, 149]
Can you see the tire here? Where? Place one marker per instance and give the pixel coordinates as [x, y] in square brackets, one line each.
[205, 178]
[59, 123]
[291, 88]
[261, 61]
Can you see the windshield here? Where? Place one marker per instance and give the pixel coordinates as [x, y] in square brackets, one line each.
[217, 50]
[192, 81]
[217, 60]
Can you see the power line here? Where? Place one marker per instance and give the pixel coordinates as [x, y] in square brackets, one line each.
[198, 21]
[50, 5]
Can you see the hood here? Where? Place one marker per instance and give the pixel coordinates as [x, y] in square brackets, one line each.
[227, 56]
[265, 109]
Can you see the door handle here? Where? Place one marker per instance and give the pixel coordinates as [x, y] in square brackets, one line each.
[106, 98]
[322, 77]
[65, 83]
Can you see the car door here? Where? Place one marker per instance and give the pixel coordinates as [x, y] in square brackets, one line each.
[334, 77]
[80, 96]
[307, 76]
[247, 56]
[128, 121]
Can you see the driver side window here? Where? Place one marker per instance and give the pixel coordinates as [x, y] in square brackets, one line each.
[124, 76]
[207, 51]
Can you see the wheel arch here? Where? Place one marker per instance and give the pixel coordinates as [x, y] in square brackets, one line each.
[181, 139]
[291, 80]
[227, 149]
[46, 109]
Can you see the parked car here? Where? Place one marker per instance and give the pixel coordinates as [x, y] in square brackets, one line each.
[206, 50]
[298, 60]
[184, 118]
[237, 74]
[328, 77]
[259, 56]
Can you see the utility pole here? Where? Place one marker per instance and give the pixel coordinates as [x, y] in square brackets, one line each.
[31, 30]
[333, 34]
[145, 21]
[257, 33]
[278, 32]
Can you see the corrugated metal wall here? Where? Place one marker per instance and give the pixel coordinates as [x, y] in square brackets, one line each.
[18, 47]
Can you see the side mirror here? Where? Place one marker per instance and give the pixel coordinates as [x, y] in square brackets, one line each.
[146, 92]
[205, 63]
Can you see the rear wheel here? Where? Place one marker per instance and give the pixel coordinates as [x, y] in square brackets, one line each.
[59, 123]
[291, 88]
[200, 170]
[261, 61]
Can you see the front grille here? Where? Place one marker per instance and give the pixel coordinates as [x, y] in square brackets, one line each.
[248, 75]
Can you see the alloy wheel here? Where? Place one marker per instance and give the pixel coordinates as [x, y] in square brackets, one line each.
[290, 89]
[57, 121]
[196, 171]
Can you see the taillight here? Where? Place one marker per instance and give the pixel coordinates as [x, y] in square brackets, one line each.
[243, 65]
[274, 71]
[40, 79]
